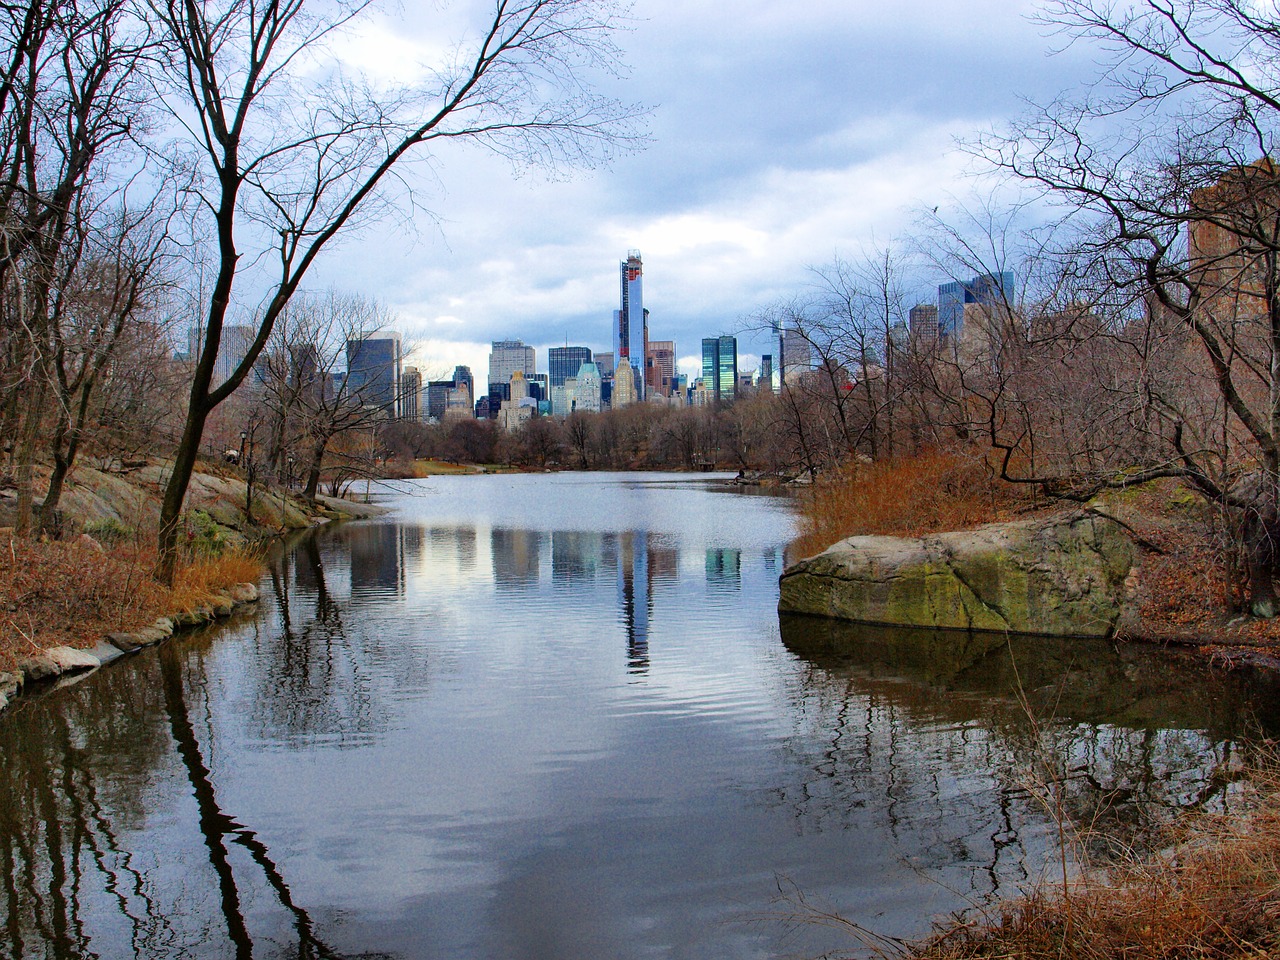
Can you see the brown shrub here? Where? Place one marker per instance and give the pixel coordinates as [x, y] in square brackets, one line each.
[1214, 895]
[73, 592]
[908, 496]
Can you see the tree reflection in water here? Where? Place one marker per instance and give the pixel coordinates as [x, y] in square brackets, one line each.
[80, 773]
[921, 728]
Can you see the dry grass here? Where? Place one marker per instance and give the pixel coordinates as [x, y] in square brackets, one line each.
[72, 593]
[438, 468]
[1213, 895]
[909, 496]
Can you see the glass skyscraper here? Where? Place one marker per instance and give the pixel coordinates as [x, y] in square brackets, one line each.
[988, 288]
[563, 363]
[629, 333]
[373, 371]
[720, 367]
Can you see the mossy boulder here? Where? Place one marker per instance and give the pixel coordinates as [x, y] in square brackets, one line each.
[1059, 576]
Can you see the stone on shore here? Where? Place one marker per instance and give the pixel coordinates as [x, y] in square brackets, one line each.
[1059, 576]
[10, 684]
[243, 592]
[106, 651]
[149, 636]
[124, 642]
[38, 667]
[69, 658]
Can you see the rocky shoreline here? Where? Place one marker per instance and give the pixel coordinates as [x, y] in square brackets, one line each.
[55, 663]
[1061, 575]
[99, 499]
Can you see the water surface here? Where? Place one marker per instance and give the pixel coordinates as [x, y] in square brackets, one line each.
[557, 717]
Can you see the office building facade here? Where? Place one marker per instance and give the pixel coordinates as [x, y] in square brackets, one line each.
[795, 356]
[988, 289]
[373, 371]
[411, 394]
[720, 367]
[922, 321]
[659, 367]
[563, 363]
[505, 358]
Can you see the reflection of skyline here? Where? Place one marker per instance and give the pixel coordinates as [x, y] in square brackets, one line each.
[576, 555]
[377, 559]
[516, 556]
[519, 793]
[635, 596]
[724, 568]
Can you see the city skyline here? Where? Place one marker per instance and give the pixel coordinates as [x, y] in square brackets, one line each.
[728, 210]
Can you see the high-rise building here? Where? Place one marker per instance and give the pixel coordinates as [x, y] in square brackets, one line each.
[539, 388]
[438, 398]
[630, 329]
[563, 363]
[626, 386]
[988, 289]
[795, 356]
[233, 348]
[505, 358]
[458, 403]
[720, 367]
[411, 394]
[766, 372]
[922, 320]
[462, 377]
[586, 395]
[659, 366]
[604, 363]
[373, 370]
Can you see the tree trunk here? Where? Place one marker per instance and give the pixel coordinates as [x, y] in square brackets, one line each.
[313, 472]
[175, 492]
[26, 453]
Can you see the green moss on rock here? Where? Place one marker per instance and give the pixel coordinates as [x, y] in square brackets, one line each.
[1062, 576]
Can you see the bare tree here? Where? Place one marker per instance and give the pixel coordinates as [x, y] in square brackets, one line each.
[70, 77]
[290, 163]
[1167, 162]
[309, 399]
[109, 281]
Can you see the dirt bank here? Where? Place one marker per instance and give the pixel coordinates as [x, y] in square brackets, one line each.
[72, 604]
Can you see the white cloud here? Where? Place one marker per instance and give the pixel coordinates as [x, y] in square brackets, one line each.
[783, 135]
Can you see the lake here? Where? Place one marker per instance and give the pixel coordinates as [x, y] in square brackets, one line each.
[557, 716]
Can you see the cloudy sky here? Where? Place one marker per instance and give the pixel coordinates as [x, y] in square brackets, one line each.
[781, 135]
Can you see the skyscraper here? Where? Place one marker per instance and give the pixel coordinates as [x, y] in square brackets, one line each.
[795, 356]
[629, 328]
[922, 321]
[505, 358]
[462, 377]
[720, 367]
[563, 362]
[988, 289]
[659, 366]
[373, 370]
[587, 390]
[411, 394]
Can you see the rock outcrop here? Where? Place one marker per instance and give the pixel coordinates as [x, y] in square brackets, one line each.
[1059, 576]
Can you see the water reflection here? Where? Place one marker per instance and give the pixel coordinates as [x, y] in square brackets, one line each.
[1105, 733]
[82, 794]
[497, 733]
